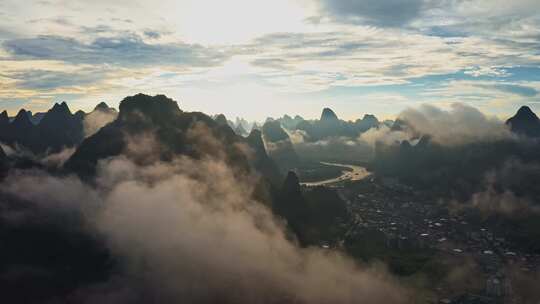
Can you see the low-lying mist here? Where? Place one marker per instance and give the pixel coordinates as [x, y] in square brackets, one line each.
[460, 124]
[335, 148]
[189, 231]
[509, 191]
[96, 120]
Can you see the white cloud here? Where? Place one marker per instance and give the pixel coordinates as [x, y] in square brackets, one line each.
[460, 124]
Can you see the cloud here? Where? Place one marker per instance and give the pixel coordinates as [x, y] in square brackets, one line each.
[384, 13]
[460, 124]
[383, 134]
[16, 150]
[49, 160]
[504, 190]
[464, 275]
[127, 50]
[96, 120]
[336, 148]
[297, 136]
[47, 80]
[152, 34]
[367, 56]
[57, 160]
[7, 149]
[189, 230]
[521, 90]
[492, 202]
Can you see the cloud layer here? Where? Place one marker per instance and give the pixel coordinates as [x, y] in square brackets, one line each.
[126, 50]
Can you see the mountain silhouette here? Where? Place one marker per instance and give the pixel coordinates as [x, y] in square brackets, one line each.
[292, 206]
[367, 122]
[399, 125]
[261, 160]
[4, 125]
[255, 126]
[57, 129]
[328, 115]
[221, 120]
[4, 119]
[310, 215]
[329, 126]
[37, 117]
[20, 131]
[255, 141]
[102, 106]
[3, 155]
[22, 121]
[157, 110]
[279, 145]
[289, 122]
[4, 166]
[273, 132]
[525, 122]
[175, 132]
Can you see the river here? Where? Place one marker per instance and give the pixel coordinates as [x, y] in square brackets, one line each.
[356, 173]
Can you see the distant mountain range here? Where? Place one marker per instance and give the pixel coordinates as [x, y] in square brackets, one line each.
[329, 125]
[50, 132]
[35, 118]
[59, 128]
[280, 147]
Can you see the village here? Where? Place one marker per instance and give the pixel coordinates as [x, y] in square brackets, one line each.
[412, 222]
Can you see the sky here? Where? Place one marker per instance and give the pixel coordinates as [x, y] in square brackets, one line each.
[260, 58]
